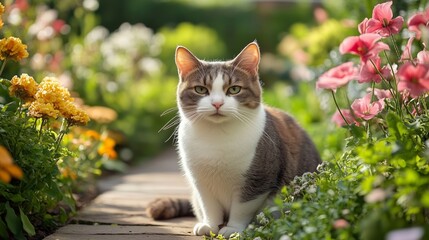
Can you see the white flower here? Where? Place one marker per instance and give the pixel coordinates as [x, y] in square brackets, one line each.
[284, 237]
[376, 195]
[415, 233]
[150, 65]
[96, 35]
[91, 5]
[15, 17]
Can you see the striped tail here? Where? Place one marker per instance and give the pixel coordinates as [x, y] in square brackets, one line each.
[166, 208]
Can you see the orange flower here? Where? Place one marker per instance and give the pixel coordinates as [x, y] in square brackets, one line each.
[1, 9]
[68, 173]
[1, 13]
[92, 134]
[107, 148]
[101, 114]
[12, 48]
[7, 168]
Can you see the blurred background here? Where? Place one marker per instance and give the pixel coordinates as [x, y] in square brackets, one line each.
[118, 56]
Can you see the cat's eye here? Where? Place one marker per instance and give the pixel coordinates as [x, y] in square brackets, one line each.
[201, 90]
[234, 90]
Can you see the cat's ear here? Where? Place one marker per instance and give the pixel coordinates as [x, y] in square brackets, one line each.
[185, 61]
[249, 58]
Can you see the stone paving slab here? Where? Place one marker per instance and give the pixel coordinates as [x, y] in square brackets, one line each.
[119, 211]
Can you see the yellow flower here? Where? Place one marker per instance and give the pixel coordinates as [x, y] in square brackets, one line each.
[72, 114]
[41, 109]
[12, 48]
[23, 87]
[79, 118]
[7, 168]
[51, 91]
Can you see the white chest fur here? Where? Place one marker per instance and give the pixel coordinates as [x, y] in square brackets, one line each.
[216, 156]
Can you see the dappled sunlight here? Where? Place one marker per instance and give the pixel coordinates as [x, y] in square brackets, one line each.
[88, 90]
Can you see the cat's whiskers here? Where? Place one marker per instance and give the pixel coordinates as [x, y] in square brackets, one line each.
[174, 121]
[245, 116]
[169, 110]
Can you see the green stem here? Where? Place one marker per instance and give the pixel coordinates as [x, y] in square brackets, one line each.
[2, 66]
[394, 87]
[338, 107]
[41, 128]
[63, 131]
[394, 46]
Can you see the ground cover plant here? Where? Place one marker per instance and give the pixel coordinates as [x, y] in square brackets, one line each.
[377, 187]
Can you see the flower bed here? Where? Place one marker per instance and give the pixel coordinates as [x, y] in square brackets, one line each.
[377, 188]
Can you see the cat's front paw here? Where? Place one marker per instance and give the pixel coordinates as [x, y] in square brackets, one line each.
[227, 231]
[204, 229]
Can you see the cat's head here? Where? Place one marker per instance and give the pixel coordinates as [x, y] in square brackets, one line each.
[219, 91]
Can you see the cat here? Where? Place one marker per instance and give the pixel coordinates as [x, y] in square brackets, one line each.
[235, 151]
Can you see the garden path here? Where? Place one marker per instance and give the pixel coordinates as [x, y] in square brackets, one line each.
[119, 211]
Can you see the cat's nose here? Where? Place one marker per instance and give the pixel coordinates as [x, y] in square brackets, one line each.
[217, 105]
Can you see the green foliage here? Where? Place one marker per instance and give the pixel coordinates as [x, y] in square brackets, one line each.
[317, 42]
[304, 104]
[28, 202]
[236, 22]
[206, 43]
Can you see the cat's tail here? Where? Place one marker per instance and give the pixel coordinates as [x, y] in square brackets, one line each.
[166, 208]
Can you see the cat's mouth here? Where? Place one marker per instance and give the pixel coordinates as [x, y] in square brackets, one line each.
[217, 114]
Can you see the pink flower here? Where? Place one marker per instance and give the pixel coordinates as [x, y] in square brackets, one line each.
[337, 77]
[339, 121]
[414, 79]
[21, 5]
[370, 71]
[340, 224]
[423, 57]
[382, 21]
[381, 94]
[365, 109]
[420, 19]
[365, 45]
[363, 26]
[406, 54]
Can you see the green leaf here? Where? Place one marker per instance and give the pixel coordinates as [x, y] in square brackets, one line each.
[26, 224]
[425, 199]
[3, 230]
[12, 220]
[396, 127]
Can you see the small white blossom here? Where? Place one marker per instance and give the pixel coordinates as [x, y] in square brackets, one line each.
[284, 237]
[376, 195]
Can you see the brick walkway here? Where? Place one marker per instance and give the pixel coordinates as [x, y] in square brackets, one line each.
[119, 212]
